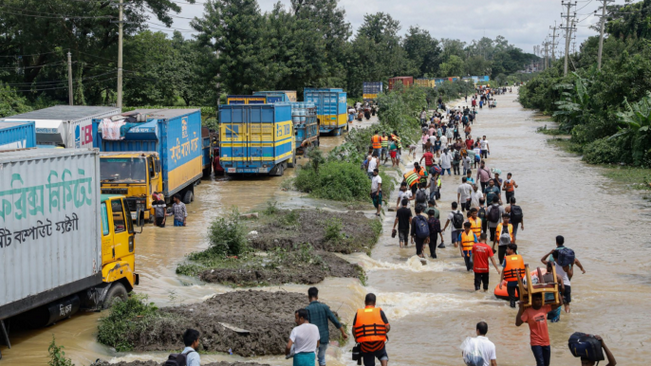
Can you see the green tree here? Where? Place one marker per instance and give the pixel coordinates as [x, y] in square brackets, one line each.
[423, 50]
[453, 66]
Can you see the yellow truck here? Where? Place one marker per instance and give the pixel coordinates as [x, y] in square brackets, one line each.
[67, 247]
[162, 151]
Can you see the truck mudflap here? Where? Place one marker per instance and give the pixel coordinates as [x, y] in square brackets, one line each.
[118, 270]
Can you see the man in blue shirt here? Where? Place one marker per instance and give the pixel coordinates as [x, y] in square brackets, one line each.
[319, 315]
[191, 341]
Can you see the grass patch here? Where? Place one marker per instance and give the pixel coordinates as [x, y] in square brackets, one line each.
[129, 322]
[550, 131]
[566, 144]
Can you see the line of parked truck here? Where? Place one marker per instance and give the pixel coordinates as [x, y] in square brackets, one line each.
[77, 179]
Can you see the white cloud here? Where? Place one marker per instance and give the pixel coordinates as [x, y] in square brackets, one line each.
[524, 23]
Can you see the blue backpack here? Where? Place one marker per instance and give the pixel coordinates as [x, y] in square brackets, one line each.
[586, 346]
[421, 227]
[565, 257]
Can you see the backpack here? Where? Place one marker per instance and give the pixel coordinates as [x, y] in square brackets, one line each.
[435, 170]
[481, 213]
[585, 346]
[494, 214]
[421, 196]
[421, 227]
[565, 257]
[516, 214]
[177, 359]
[457, 156]
[457, 220]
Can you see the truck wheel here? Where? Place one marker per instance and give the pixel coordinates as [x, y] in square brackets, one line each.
[279, 170]
[116, 292]
[292, 163]
[188, 197]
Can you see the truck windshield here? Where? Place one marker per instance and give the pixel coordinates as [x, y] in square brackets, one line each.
[123, 169]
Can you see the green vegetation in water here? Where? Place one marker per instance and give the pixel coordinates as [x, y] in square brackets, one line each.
[128, 319]
[57, 355]
[550, 131]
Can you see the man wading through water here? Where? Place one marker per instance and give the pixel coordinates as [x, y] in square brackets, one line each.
[370, 328]
[319, 315]
[305, 339]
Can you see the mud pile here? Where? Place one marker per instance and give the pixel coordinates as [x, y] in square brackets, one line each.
[248, 323]
[291, 270]
[358, 233]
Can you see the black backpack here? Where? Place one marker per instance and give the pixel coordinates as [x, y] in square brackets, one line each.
[494, 214]
[457, 220]
[421, 196]
[566, 257]
[516, 214]
[421, 227]
[177, 359]
[585, 346]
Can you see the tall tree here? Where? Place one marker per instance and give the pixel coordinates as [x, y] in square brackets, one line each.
[423, 50]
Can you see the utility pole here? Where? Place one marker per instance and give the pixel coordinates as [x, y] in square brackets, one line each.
[546, 44]
[553, 44]
[568, 30]
[121, 20]
[70, 101]
[601, 32]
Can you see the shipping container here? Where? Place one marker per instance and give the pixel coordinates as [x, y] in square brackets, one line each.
[275, 96]
[406, 81]
[256, 138]
[17, 135]
[306, 128]
[50, 233]
[331, 109]
[439, 81]
[371, 89]
[160, 150]
[246, 99]
[65, 125]
[425, 83]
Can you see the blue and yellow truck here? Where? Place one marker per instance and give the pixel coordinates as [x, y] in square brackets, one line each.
[331, 109]
[156, 150]
[256, 138]
[246, 99]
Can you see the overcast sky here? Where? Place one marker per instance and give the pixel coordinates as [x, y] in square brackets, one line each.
[524, 23]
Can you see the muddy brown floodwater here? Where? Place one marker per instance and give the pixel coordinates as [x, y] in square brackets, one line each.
[432, 308]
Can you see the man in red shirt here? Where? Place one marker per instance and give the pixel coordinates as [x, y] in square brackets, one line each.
[429, 159]
[480, 254]
[536, 317]
[469, 142]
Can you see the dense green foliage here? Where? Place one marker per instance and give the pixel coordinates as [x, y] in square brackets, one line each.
[236, 49]
[607, 111]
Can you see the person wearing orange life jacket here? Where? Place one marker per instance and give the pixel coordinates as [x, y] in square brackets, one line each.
[475, 222]
[376, 141]
[415, 176]
[504, 237]
[467, 239]
[370, 328]
[513, 265]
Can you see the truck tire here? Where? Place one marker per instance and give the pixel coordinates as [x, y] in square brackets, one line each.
[292, 162]
[188, 197]
[279, 170]
[117, 291]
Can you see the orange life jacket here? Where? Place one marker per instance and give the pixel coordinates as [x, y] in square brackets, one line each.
[377, 141]
[468, 240]
[475, 226]
[514, 265]
[509, 185]
[369, 326]
[498, 231]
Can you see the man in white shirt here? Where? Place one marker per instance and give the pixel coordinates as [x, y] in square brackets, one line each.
[464, 192]
[486, 347]
[305, 338]
[475, 196]
[376, 191]
[446, 162]
[444, 142]
[485, 147]
[372, 165]
[191, 342]
[404, 192]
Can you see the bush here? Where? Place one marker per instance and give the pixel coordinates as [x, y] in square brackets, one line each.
[227, 236]
[603, 151]
[57, 356]
[127, 320]
[334, 180]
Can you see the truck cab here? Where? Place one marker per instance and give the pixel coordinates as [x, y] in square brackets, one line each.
[134, 175]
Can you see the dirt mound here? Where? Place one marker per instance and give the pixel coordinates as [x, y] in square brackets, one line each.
[249, 323]
[155, 363]
[288, 272]
[356, 233]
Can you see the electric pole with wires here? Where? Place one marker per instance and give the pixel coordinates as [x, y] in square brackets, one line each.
[602, 25]
[569, 26]
[121, 20]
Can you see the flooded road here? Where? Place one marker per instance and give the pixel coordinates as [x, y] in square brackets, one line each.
[432, 308]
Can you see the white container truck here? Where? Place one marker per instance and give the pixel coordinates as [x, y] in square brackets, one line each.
[69, 126]
[63, 245]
